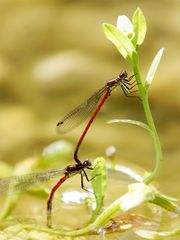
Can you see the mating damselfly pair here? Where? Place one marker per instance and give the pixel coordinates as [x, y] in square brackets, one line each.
[90, 107]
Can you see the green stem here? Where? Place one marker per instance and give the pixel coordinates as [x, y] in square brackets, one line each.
[150, 122]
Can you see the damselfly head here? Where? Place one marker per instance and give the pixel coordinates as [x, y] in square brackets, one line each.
[87, 163]
[123, 75]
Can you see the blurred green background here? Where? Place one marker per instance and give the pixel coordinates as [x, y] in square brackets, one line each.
[53, 55]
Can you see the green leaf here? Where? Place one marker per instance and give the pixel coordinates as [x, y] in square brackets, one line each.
[99, 183]
[134, 122]
[120, 40]
[166, 202]
[153, 68]
[139, 24]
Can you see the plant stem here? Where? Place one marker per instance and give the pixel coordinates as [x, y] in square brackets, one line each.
[150, 122]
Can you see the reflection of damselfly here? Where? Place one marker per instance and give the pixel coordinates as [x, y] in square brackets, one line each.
[70, 121]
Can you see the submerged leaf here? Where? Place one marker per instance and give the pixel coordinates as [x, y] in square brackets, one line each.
[125, 223]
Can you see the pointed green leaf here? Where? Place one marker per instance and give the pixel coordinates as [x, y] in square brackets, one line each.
[139, 23]
[120, 40]
[153, 68]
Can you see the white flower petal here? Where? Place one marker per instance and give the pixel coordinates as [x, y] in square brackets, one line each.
[125, 26]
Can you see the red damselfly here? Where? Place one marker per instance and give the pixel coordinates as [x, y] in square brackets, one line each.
[91, 106]
[27, 181]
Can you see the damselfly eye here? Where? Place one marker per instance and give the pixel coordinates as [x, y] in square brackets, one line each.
[123, 75]
[87, 163]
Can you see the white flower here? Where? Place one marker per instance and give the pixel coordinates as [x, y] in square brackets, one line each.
[125, 26]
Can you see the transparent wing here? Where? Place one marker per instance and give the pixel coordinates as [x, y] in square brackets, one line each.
[24, 182]
[80, 113]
